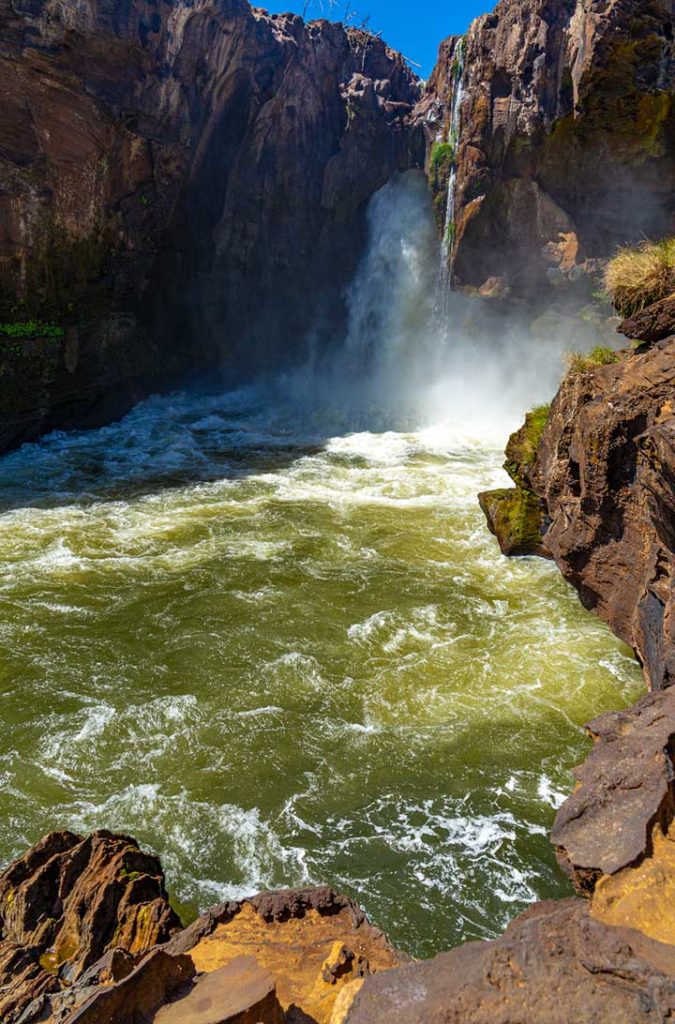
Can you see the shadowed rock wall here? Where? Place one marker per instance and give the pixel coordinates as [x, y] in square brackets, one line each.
[182, 188]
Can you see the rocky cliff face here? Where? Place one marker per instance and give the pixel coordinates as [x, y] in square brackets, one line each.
[182, 188]
[599, 488]
[567, 139]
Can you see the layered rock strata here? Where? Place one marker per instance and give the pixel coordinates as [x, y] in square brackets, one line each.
[182, 188]
[566, 146]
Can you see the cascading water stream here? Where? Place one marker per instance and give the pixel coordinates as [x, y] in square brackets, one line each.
[444, 285]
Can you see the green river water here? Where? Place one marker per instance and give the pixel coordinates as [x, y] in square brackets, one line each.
[278, 661]
[272, 638]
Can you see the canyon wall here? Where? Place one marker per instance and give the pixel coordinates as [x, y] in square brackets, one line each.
[566, 146]
[182, 189]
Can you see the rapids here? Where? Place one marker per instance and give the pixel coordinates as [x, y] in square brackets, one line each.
[268, 633]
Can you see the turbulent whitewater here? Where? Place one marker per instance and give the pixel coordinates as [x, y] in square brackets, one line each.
[267, 632]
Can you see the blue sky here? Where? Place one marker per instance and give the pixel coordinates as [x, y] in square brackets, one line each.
[415, 27]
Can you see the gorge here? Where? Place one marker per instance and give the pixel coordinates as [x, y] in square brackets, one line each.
[252, 614]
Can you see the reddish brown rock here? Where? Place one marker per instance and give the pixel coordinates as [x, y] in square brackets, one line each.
[624, 790]
[239, 993]
[652, 323]
[182, 188]
[68, 901]
[605, 471]
[554, 964]
[566, 147]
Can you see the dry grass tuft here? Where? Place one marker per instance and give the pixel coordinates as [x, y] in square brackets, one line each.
[641, 274]
[577, 362]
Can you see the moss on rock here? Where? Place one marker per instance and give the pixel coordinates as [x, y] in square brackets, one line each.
[522, 446]
[514, 516]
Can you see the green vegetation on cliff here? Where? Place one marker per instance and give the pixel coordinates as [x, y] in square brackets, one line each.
[514, 516]
[601, 355]
[440, 164]
[522, 446]
[30, 329]
[641, 274]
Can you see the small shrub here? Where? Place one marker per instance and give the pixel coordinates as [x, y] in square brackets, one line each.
[30, 329]
[641, 274]
[601, 355]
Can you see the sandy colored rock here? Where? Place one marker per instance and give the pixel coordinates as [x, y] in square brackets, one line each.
[313, 942]
[643, 896]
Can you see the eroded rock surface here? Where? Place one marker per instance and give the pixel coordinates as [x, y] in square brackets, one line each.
[182, 187]
[566, 145]
[605, 471]
[624, 792]
[313, 942]
[554, 964]
[66, 903]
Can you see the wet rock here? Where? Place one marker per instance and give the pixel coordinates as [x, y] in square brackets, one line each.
[624, 792]
[515, 517]
[554, 964]
[652, 323]
[66, 903]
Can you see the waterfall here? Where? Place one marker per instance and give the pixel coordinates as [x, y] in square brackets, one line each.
[448, 240]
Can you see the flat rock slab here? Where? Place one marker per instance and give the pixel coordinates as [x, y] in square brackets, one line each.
[239, 993]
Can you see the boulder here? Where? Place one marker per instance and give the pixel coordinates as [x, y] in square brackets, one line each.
[624, 793]
[652, 323]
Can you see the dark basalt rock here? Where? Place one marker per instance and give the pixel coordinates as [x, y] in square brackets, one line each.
[567, 140]
[652, 323]
[554, 964]
[605, 472]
